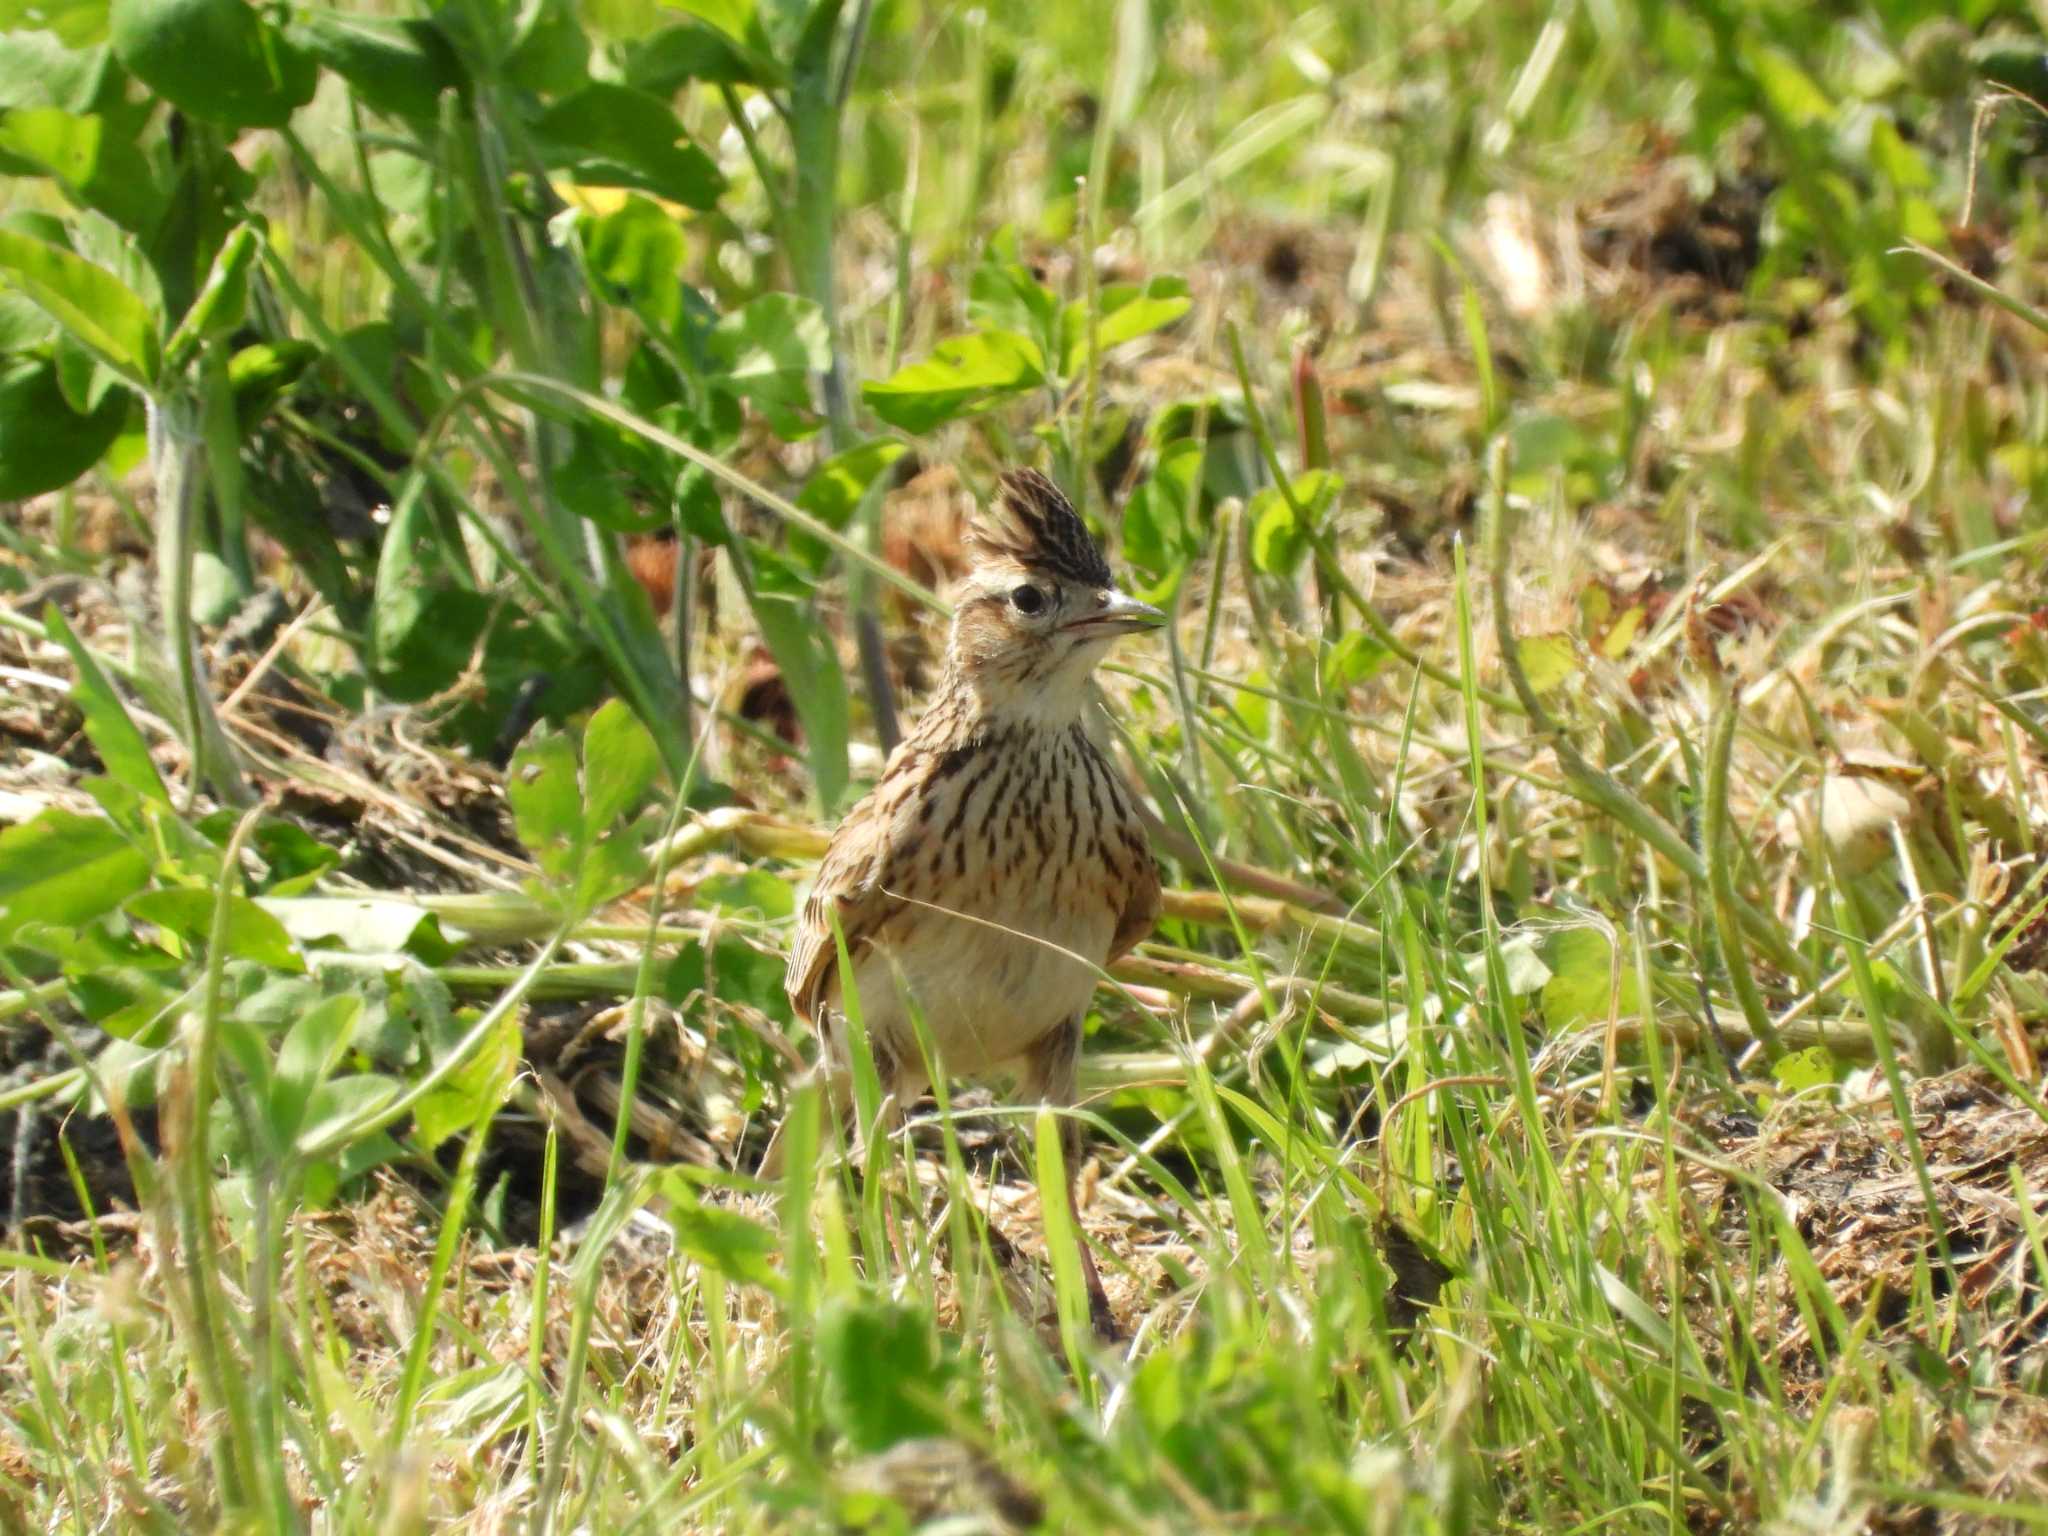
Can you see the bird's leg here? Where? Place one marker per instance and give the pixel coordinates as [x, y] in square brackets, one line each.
[1051, 1070]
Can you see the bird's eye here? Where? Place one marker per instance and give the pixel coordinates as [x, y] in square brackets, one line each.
[1028, 600]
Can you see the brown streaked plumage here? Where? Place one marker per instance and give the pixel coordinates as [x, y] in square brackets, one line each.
[999, 861]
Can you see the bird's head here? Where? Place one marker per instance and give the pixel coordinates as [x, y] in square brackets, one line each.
[1038, 607]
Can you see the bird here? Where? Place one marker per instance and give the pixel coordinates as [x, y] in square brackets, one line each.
[999, 862]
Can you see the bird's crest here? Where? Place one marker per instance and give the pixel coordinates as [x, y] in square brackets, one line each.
[1035, 525]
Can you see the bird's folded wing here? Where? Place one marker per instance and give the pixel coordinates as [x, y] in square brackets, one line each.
[1140, 910]
[850, 885]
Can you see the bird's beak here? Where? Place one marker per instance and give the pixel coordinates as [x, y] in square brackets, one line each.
[1119, 614]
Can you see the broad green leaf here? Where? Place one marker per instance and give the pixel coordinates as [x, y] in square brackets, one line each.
[424, 624]
[58, 58]
[25, 325]
[1789, 88]
[397, 68]
[65, 869]
[754, 890]
[553, 53]
[1547, 660]
[1278, 538]
[1156, 537]
[366, 925]
[663, 63]
[1002, 295]
[341, 1100]
[736, 971]
[769, 351]
[480, 1083]
[1585, 986]
[547, 801]
[1814, 1067]
[966, 374]
[810, 670]
[607, 135]
[1128, 312]
[1353, 659]
[1623, 632]
[836, 488]
[251, 933]
[98, 168]
[882, 1373]
[635, 257]
[612, 865]
[260, 373]
[310, 1051]
[736, 19]
[113, 733]
[736, 1246]
[217, 59]
[44, 443]
[56, 142]
[620, 762]
[87, 300]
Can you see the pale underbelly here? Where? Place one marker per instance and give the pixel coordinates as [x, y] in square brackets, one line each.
[987, 993]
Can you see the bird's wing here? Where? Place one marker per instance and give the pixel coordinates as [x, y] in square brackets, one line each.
[1140, 908]
[850, 885]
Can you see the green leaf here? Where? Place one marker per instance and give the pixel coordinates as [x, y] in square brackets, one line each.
[1278, 538]
[1002, 295]
[1156, 537]
[967, 374]
[635, 256]
[754, 890]
[664, 62]
[882, 1377]
[553, 55]
[737, 1247]
[90, 302]
[612, 866]
[1128, 311]
[547, 801]
[620, 762]
[44, 443]
[341, 1100]
[769, 351]
[1814, 1067]
[311, 1050]
[216, 59]
[810, 670]
[222, 301]
[1547, 660]
[98, 168]
[397, 68]
[107, 724]
[1789, 88]
[259, 375]
[59, 60]
[65, 869]
[1583, 981]
[480, 1083]
[836, 489]
[1353, 659]
[251, 934]
[365, 925]
[423, 625]
[607, 135]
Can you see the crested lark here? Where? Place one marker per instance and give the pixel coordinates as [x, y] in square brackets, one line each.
[1000, 860]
